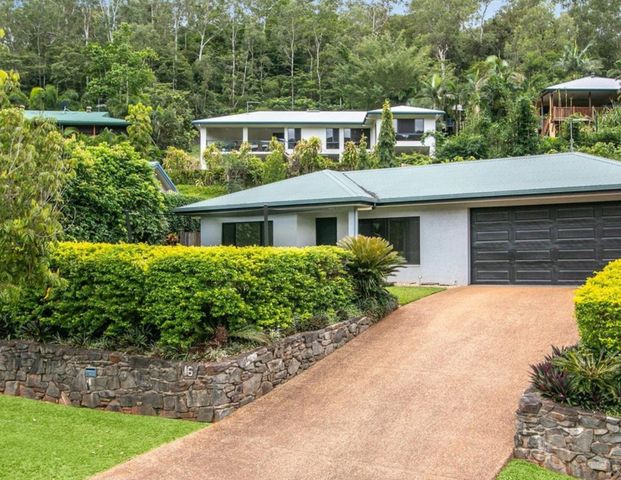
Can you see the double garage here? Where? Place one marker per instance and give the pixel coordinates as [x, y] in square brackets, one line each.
[544, 244]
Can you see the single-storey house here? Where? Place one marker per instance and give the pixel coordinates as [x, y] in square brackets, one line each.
[88, 122]
[333, 128]
[587, 96]
[541, 219]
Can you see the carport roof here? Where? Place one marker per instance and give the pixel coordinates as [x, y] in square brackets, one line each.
[560, 173]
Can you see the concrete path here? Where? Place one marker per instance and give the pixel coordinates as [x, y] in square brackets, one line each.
[428, 393]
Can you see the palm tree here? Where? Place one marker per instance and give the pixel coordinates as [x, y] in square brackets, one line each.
[577, 61]
[437, 90]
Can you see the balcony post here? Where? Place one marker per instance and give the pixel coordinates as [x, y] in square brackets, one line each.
[245, 135]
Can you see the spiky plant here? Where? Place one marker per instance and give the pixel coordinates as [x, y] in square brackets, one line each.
[374, 259]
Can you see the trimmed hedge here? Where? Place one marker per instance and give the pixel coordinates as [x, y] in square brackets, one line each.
[598, 309]
[175, 293]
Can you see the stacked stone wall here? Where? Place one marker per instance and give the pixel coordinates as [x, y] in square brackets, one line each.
[568, 440]
[204, 391]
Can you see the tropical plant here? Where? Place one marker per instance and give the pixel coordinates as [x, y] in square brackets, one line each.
[349, 158]
[179, 164]
[385, 148]
[551, 380]
[576, 61]
[306, 157]
[275, 166]
[594, 375]
[33, 174]
[437, 91]
[365, 160]
[374, 259]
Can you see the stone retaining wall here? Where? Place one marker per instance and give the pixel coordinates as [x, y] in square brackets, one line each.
[568, 440]
[148, 386]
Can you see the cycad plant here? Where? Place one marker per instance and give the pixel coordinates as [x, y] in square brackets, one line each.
[374, 259]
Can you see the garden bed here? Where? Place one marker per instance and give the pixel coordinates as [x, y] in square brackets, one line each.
[203, 391]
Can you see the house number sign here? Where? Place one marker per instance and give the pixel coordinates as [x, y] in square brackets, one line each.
[190, 371]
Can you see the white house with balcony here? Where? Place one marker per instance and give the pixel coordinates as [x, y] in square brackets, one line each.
[333, 128]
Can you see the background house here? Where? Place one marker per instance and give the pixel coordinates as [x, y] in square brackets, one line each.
[542, 219]
[585, 96]
[90, 123]
[333, 128]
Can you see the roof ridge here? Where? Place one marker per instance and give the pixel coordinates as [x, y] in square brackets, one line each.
[338, 178]
[371, 193]
[468, 162]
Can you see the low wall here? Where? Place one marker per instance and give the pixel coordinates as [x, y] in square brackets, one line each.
[149, 386]
[568, 440]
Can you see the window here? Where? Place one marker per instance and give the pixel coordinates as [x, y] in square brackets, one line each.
[403, 233]
[355, 134]
[243, 234]
[332, 139]
[294, 135]
[410, 128]
[325, 231]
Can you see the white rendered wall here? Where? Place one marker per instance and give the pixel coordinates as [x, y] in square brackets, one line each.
[290, 230]
[444, 243]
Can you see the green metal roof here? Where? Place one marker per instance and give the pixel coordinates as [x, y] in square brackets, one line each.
[587, 84]
[77, 119]
[560, 173]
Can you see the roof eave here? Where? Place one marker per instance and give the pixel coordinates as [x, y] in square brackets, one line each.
[280, 206]
[500, 195]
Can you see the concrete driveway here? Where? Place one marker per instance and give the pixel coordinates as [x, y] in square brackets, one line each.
[428, 393]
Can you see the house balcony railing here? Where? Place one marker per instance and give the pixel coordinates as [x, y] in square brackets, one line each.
[560, 114]
[409, 137]
[230, 145]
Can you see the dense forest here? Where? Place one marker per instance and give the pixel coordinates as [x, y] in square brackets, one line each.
[194, 58]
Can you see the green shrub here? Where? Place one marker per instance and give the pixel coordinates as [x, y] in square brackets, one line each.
[598, 309]
[180, 223]
[180, 296]
[113, 187]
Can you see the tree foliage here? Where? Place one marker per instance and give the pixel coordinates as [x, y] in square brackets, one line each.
[114, 196]
[32, 175]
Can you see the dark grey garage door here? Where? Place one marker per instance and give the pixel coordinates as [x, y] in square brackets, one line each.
[561, 244]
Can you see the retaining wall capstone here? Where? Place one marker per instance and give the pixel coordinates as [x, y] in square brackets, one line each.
[143, 385]
[568, 440]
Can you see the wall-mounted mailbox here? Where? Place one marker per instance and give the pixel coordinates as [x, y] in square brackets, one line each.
[90, 372]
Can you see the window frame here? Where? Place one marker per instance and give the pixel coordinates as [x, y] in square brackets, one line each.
[297, 136]
[411, 254]
[408, 134]
[333, 144]
[227, 225]
[348, 137]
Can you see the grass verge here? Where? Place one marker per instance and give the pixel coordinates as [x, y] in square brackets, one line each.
[409, 294]
[41, 440]
[521, 470]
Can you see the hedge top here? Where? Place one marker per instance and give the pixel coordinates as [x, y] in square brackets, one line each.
[560, 173]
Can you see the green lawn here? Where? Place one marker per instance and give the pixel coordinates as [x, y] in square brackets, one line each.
[406, 295]
[521, 470]
[47, 441]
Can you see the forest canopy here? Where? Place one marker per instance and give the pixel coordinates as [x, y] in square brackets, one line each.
[195, 58]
